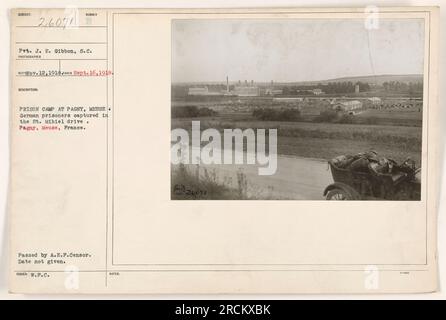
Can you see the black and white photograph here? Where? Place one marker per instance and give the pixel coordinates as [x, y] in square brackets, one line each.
[297, 109]
[273, 111]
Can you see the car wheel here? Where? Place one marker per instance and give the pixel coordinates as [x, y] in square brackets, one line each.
[338, 194]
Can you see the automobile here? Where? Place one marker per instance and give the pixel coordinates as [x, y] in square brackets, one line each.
[402, 183]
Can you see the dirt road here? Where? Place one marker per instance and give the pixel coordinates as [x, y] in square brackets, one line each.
[296, 178]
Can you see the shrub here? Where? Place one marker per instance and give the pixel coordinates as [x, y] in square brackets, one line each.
[192, 112]
[270, 114]
[346, 118]
[195, 184]
[327, 116]
[206, 112]
[371, 120]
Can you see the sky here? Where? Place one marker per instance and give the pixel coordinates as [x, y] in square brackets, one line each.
[293, 50]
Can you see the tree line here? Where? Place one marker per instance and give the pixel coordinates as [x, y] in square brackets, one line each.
[397, 86]
[330, 88]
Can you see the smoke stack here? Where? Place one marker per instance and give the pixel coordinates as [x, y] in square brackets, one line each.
[227, 84]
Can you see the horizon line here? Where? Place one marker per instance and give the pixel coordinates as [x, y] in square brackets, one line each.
[294, 81]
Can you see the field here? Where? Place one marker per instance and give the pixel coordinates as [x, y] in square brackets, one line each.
[397, 136]
[411, 117]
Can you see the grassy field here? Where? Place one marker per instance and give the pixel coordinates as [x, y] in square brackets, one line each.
[189, 184]
[389, 112]
[326, 140]
[411, 117]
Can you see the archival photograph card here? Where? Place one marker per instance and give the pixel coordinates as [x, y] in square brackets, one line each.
[137, 135]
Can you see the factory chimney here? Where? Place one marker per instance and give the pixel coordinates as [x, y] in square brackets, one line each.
[246, 82]
[227, 84]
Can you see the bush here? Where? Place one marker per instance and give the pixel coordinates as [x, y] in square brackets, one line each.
[192, 112]
[371, 120]
[346, 118]
[206, 112]
[270, 114]
[327, 116]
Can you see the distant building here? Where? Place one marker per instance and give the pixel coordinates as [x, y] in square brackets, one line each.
[273, 92]
[289, 99]
[347, 105]
[374, 100]
[203, 91]
[357, 88]
[246, 91]
[317, 91]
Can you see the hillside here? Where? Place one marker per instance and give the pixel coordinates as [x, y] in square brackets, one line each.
[378, 79]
